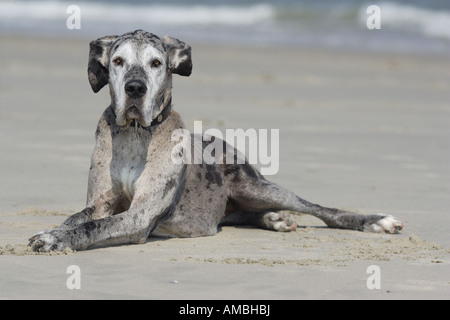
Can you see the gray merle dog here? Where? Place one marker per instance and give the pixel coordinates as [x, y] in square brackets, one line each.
[136, 189]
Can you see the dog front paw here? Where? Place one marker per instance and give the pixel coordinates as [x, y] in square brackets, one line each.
[49, 240]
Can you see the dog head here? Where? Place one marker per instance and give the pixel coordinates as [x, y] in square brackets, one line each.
[138, 67]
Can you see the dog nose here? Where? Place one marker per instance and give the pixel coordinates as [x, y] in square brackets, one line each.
[135, 88]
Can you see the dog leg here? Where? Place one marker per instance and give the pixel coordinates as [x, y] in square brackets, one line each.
[77, 219]
[147, 210]
[250, 192]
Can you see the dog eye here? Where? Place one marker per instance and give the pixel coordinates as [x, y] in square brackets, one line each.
[156, 63]
[118, 61]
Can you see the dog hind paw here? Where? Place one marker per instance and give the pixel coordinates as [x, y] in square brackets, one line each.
[279, 221]
[383, 223]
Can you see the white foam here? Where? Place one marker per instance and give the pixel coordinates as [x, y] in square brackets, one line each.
[431, 23]
[152, 13]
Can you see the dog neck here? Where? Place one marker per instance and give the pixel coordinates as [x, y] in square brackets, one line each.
[163, 115]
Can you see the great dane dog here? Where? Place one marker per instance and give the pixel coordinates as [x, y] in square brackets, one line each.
[135, 189]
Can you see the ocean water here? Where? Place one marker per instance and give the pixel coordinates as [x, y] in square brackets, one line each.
[406, 26]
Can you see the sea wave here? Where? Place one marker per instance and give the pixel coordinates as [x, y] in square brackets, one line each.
[405, 25]
[18, 11]
[408, 18]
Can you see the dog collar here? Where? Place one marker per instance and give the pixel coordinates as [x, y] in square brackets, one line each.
[163, 115]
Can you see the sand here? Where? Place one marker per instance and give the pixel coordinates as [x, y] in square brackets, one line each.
[358, 131]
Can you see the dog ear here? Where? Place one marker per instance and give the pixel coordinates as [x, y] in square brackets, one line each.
[98, 73]
[180, 61]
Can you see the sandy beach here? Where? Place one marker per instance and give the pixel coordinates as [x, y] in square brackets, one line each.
[361, 131]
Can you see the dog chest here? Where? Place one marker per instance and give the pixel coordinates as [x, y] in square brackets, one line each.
[129, 162]
[128, 177]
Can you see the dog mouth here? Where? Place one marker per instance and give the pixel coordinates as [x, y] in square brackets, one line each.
[133, 113]
[134, 117]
